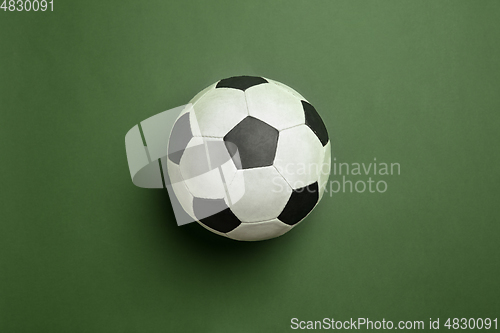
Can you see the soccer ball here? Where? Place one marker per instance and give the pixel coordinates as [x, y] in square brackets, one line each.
[248, 158]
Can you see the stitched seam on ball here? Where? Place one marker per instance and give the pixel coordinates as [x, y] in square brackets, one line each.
[268, 220]
[286, 181]
[246, 103]
[284, 129]
[208, 136]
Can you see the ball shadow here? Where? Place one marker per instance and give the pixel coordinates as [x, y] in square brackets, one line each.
[193, 239]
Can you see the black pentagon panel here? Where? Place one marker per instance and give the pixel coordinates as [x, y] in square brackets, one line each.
[315, 123]
[179, 138]
[255, 142]
[241, 82]
[301, 202]
[215, 214]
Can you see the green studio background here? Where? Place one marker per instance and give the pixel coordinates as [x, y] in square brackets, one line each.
[409, 82]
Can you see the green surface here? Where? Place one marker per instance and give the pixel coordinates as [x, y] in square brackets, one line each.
[409, 82]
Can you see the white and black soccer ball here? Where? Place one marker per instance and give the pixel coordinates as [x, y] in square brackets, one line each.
[249, 158]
